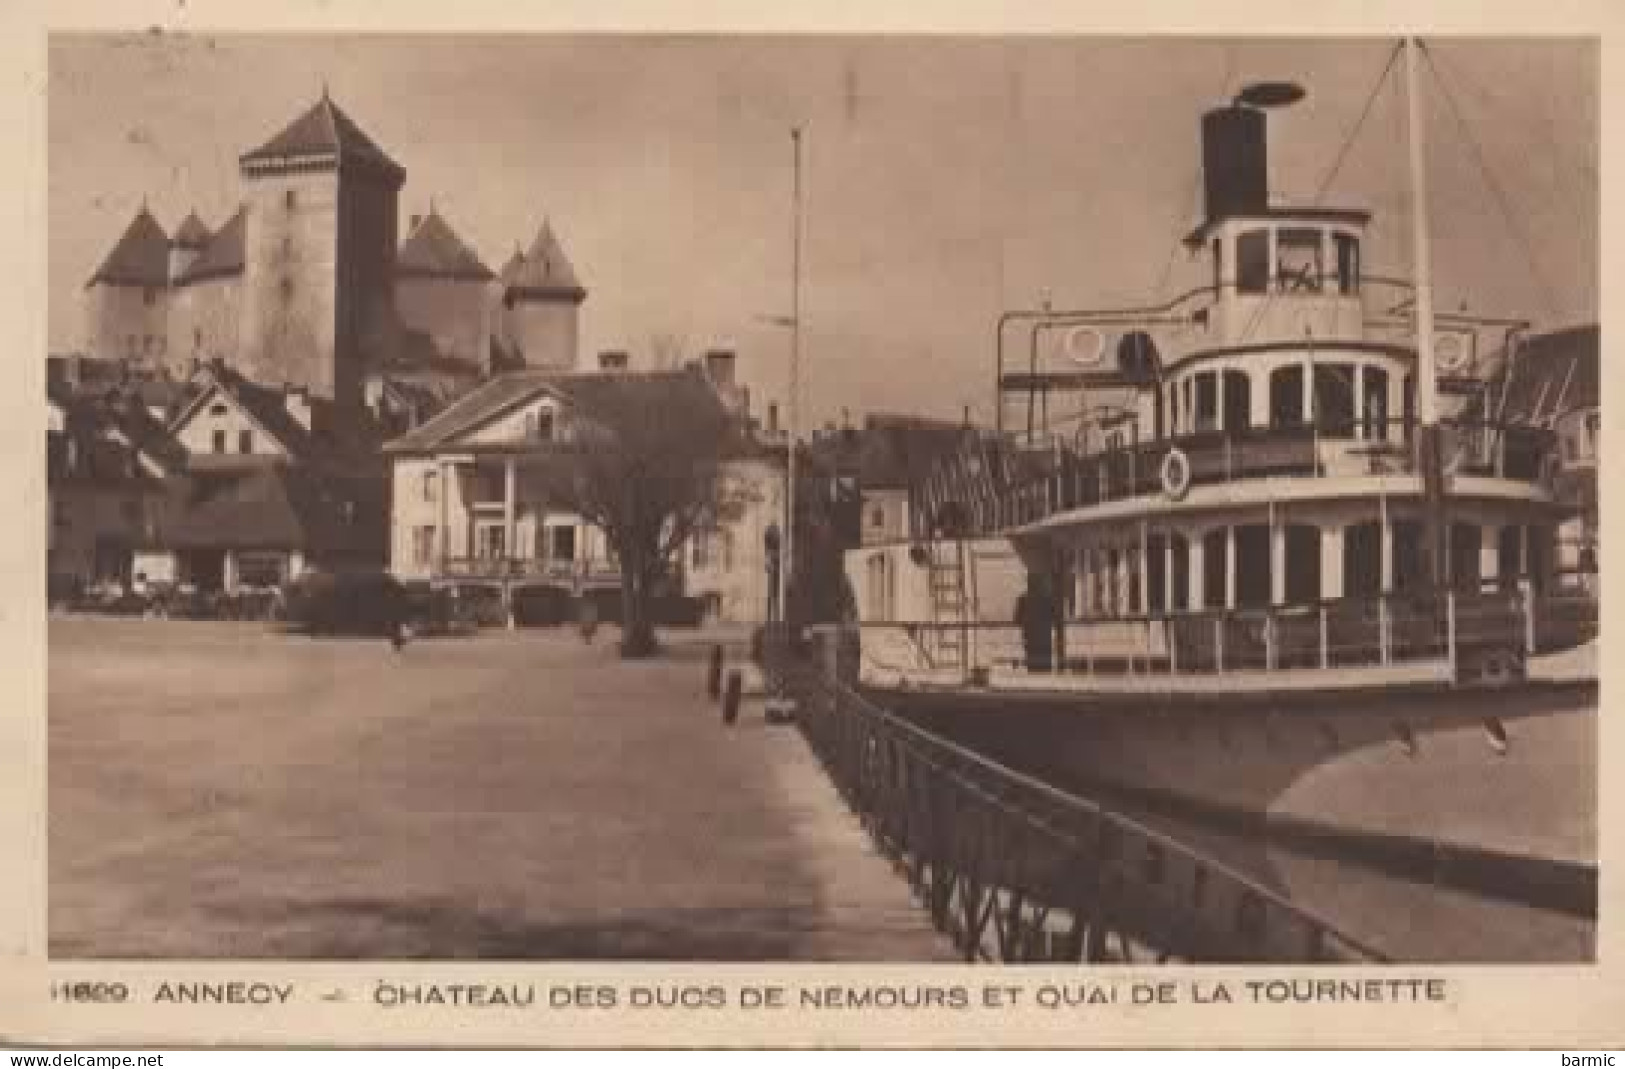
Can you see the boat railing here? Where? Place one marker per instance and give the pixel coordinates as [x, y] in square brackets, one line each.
[1013, 869]
[1453, 630]
[1028, 485]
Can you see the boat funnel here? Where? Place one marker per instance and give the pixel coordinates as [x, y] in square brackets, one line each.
[1235, 161]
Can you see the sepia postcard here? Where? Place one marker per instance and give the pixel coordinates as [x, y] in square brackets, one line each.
[657, 530]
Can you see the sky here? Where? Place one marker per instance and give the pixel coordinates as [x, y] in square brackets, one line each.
[945, 179]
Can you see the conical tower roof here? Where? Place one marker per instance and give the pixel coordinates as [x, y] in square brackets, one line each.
[192, 233]
[324, 136]
[140, 258]
[546, 271]
[433, 250]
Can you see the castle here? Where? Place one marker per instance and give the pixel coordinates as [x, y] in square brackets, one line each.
[307, 286]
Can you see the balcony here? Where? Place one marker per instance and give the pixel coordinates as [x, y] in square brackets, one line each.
[587, 573]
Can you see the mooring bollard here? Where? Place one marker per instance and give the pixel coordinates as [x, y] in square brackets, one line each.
[730, 698]
[713, 678]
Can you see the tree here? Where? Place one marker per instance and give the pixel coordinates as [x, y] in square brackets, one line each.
[645, 464]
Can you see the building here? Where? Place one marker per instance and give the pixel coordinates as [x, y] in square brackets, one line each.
[274, 479]
[471, 505]
[308, 284]
[108, 472]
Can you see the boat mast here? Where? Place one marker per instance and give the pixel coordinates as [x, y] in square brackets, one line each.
[1429, 455]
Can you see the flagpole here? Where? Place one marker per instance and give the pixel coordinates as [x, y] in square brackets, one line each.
[788, 564]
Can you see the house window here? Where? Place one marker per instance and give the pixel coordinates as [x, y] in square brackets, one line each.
[260, 569]
[431, 485]
[561, 543]
[218, 409]
[219, 441]
[149, 296]
[877, 517]
[130, 346]
[422, 545]
[492, 542]
[289, 199]
[539, 425]
[197, 338]
[245, 441]
[702, 550]
[287, 289]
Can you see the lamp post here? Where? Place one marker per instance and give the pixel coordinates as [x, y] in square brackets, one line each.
[793, 322]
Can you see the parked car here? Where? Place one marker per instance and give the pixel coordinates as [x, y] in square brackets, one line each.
[346, 603]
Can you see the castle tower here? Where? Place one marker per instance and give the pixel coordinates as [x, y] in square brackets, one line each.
[443, 293]
[541, 303]
[319, 256]
[127, 298]
[190, 239]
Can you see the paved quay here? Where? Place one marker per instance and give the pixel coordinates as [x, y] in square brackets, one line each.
[222, 790]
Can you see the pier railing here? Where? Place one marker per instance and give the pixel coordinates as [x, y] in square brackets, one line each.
[1015, 870]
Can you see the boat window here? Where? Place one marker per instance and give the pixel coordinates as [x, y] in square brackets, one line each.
[1408, 404]
[1348, 263]
[1213, 568]
[1334, 399]
[1286, 396]
[1181, 575]
[1410, 571]
[1374, 404]
[1252, 565]
[1302, 564]
[1509, 556]
[1190, 403]
[1207, 400]
[1464, 564]
[1253, 262]
[1362, 560]
[1174, 424]
[1156, 573]
[1298, 261]
[1238, 401]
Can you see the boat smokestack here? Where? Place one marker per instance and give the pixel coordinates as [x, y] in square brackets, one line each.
[1235, 161]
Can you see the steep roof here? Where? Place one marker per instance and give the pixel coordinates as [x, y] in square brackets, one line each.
[433, 250]
[256, 506]
[222, 256]
[192, 233]
[323, 135]
[139, 258]
[545, 271]
[585, 391]
[510, 269]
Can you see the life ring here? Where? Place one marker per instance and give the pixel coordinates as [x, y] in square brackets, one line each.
[1176, 473]
[1086, 346]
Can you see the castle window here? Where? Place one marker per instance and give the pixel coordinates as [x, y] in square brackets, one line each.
[197, 338]
[290, 199]
[245, 441]
[287, 289]
[219, 441]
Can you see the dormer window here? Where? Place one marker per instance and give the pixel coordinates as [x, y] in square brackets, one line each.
[1298, 261]
[539, 425]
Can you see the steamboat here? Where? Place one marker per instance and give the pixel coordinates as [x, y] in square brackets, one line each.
[1298, 566]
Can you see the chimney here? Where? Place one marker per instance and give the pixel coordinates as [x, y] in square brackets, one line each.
[719, 366]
